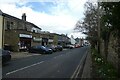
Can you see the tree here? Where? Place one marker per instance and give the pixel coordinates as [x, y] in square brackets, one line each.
[89, 24]
[111, 21]
[55, 40]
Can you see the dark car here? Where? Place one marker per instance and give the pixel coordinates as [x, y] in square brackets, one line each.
[59, 48]
[6, 55]
[51, 47]
[40, 49]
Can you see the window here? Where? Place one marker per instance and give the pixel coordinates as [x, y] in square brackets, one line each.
[12, 25]
[33, 31]
[8, 25]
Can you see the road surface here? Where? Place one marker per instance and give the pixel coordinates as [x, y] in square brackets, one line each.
[57, 65]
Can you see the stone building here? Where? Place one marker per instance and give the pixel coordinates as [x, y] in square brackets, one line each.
[63, 40]
[18, 33]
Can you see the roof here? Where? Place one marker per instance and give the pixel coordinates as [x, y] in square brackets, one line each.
[9, 16]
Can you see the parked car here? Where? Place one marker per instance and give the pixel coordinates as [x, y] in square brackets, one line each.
[77, 46]
[69, 46]
[59, 48]
[51, 47]
[40, 49]
[6, 56]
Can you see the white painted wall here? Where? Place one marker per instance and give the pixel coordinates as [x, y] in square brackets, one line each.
[1, 32]
[72, 40]
[1, 38]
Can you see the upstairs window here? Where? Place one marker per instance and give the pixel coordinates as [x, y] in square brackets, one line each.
[8, 25]
[12, 25]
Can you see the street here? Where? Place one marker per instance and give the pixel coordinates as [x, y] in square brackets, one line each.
[57, 65]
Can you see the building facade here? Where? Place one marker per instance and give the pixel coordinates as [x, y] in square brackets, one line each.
[1, 30]
[18, 33]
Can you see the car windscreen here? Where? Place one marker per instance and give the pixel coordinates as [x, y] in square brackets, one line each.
[41, 47]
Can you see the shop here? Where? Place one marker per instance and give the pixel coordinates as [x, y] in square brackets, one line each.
[36, 41]
[24, 42]
[44, 41]
[50, 41]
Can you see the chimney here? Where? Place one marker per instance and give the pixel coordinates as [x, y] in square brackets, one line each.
[24, 16]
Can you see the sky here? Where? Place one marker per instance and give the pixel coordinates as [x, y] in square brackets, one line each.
[56, 16]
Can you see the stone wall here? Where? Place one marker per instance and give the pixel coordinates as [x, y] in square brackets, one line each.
[11, 38]
[112, 50]
[102, 48]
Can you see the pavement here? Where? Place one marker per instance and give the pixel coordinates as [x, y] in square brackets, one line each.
[87, 66]
[18, 55]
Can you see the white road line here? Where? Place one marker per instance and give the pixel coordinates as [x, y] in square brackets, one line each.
[76, 72]
[85, 55]
[24, 68]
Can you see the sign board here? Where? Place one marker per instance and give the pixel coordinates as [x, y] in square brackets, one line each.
[37, 39]
[50, 40]
[25, 35]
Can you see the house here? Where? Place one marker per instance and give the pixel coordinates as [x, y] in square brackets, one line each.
[1, 30]
[72, 40]
[18, 33]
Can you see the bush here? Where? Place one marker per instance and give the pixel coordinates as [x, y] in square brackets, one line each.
[103, 68]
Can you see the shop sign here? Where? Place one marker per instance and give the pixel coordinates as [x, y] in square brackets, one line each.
[25, 35]
[37, 39]
[50, 40]
[44, 39]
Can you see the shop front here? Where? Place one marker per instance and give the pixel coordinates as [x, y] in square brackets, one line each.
[36, 41]
[44, 41]
[24, 42]
[50, 41]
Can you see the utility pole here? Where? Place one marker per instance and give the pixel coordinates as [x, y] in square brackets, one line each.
[98, 27]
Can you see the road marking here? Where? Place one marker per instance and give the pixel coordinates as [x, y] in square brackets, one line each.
[76, 72]
[24, 68]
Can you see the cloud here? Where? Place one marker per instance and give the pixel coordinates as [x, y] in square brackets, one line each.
[61, 19]
[79, 35]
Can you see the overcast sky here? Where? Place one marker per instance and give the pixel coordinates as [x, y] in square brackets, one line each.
[59, 16]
